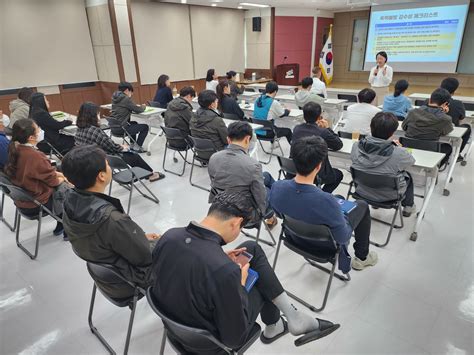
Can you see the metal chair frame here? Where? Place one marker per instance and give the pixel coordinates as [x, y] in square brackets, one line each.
[179, 151]
[269, 126]
[200, 146]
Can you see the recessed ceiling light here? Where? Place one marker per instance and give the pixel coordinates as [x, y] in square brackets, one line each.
[214, 5]
[183, 1]
[254, 5]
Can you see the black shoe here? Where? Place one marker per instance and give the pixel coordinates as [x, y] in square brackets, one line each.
[58, 230]
[325, 328]
[266, 340]
[460, 159]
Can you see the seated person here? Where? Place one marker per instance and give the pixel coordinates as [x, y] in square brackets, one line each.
[31, 170]
[359, 115]
[319, 86]
[235, 90]
[457, 110]
[233, 168]
[305, 95]
[380, 154]
[431, 121]
[267, 108]
[227, 103]
[300, 199]
[179, 112]
[98, 228]
[207, 123]
[4, 142]
[200, 285]
[122, 109]
[39, 112]
[398, 103]
[317, 126]
[211, 80]
[20, 107]
[89, 132]
[164, 94]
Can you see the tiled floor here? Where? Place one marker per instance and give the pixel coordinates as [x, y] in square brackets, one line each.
[419, 298]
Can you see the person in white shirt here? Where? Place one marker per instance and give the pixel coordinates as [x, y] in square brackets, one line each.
[380, 77]
[318, 87]
[211, 80]
[360, 115]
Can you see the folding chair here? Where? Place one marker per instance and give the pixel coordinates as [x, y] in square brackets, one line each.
[4, 180]
[269, 136]
[429, 145]
[119, 131]
[127, 177]
[109, 274]
[351, 98]
[17, 194]
[194, 338]
[420, 102]
[287, 168]
[348, 135]
[376, 181]
[324, 249]
[202, 151]
[176, 142]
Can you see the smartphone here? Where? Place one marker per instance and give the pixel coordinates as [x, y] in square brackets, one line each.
[243, 258]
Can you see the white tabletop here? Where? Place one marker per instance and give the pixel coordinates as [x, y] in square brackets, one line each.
[149, 110]
[253, 125]
[342, 91]
[262, 86]
[287, 97]
[63, 116]
[250, 93]
[419, 95]
[423, 158]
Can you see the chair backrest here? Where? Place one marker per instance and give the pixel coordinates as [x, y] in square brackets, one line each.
[231, 116]
[193, 337]
[376, 181]
[318, 235]
[268, 125]
[469, 106]
[117, 163]
[116, 128]
[202, 146]
[16, 193]
[348, 97]
[348, 135]
[174, 136]
[420, 102]
[432, 146]
[287, 165]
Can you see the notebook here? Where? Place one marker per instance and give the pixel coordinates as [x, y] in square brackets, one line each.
[346, 206]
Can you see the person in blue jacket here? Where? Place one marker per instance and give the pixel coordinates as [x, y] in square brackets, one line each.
[398, 104]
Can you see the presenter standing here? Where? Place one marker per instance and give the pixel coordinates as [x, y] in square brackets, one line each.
[380, 77]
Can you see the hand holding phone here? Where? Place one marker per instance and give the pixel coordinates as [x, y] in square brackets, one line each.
[243, 258]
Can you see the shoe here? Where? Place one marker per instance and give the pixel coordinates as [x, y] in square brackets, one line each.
[370, 260]
[266, 340]
[138, 149]
[156, 176]
[460, 159]
[408, 210]
[58, 230]
[325, 328]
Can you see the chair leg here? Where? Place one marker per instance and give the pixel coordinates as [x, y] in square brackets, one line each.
[392, 225]
[257, 238]
[130, 322]
[93, 328]
[163, 341]
[153, 196]
[38, 233]
[269, 159]
[184, 163]
[2, 217]
[277, 250]
[191, 177]
[130, 198]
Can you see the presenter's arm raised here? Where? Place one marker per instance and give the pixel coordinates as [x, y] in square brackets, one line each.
[372, 75]
[387, 76]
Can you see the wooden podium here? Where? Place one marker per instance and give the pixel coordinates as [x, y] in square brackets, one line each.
[287, 74]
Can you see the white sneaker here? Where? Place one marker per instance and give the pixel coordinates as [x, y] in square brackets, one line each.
[408, 210]
[370, 260]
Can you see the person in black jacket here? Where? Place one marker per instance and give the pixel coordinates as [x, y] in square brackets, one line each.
[227, 103]
[164, 94]
[197, 284]
[317, 126]
[457, 110]
[179, 113]
[100, 231]
[39, 112]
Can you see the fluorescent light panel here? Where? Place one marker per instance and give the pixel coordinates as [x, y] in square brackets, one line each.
[252, 4]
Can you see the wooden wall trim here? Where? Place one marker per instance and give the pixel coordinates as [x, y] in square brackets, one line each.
[134, 46]
[115, 35]
[272, 39]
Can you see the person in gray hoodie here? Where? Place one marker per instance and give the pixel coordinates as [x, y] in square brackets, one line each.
[122, 108]
[97, 226]
[207, 123]
[179, 112]
[305, 95]
[20, 107]
[431, 121]
[379, 154]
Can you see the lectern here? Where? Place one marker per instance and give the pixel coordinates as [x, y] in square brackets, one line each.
[287, 74]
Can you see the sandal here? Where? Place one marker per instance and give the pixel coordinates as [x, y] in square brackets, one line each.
[156, 176]
[266, 340]
[325, 328]
[271, 222]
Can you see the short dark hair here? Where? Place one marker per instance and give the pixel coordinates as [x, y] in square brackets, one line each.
[450, 84]
[440, 96]
[230, 204]
[307, 82]
[400, 87]
[271, 87]
[162, 81]
[237, 131]
[87, 115]
[210, 73]
[383, 54]
[311, 112]
[383, 125]
[125, 85]
[82, 165]
[230, 74]
[366, 95]
[206, 98]
[25, 94]
[187, 90]
[307, 153]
